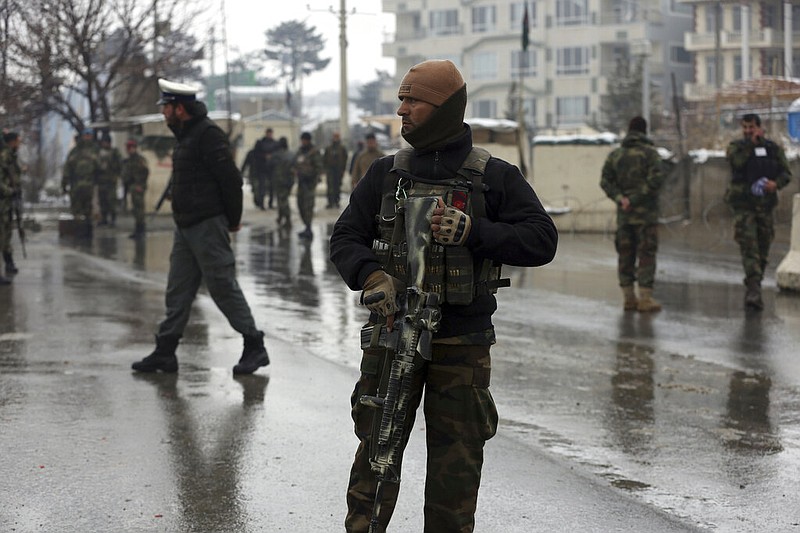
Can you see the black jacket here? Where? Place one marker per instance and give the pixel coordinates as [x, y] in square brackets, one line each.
[516, 231]
[205, 180]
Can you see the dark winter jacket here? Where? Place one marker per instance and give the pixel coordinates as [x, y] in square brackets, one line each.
[516, 230]
[205, 180]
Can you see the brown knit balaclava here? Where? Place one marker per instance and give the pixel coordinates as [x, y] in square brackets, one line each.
[437, 82]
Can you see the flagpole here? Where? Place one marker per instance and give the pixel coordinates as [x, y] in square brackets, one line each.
[523, 63]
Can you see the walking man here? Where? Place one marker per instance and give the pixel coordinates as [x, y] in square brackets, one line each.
[632, 177]
[335, 161]
[307, 167]
[79, 177]
[758, 170]
[107, 178]
[206, 206]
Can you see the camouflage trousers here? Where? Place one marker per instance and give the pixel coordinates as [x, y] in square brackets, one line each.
[80, 200]
[107, 198]
[636, 246]
[754, 232]
[460, 416]
[6, 225]
[306, 190]
[137, 205]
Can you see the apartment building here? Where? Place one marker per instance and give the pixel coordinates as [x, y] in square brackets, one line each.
[732, 41]
[574, 48]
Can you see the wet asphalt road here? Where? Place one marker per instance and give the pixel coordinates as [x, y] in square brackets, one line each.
[611, 421]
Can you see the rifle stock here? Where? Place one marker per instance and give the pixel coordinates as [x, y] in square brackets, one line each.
[164, 195]
[412, 335]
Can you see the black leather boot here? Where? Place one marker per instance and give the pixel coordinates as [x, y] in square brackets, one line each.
[163, 357]
[254, 355]
[11, 268]
[752, 296]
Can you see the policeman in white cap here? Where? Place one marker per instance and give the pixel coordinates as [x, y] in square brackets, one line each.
[206, 193]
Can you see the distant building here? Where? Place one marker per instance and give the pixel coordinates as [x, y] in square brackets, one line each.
[574, 48]
[736, 41]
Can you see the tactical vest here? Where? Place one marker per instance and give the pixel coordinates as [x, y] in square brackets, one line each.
[766, 165]
[450, 271]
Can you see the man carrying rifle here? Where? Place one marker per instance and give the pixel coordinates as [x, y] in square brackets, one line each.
[485, 215]
[10, 199]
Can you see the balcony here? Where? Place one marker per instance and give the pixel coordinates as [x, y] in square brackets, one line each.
[401, 6]
[766, 38]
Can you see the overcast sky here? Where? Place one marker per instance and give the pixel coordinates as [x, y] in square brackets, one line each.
[248, 20]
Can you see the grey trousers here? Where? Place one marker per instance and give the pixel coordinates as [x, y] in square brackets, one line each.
[203, 253]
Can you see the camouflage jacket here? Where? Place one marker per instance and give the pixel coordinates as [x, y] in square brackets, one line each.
[82, 165]
[307, 165]
[110, 163]
[634, 170]
[10, 173]
[749, 162]
[135, 172]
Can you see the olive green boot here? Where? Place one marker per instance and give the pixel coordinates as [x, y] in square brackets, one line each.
[631, 302]
[647, 304]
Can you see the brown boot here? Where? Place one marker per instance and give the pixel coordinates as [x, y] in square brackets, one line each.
[647, 304]
[631, 302]
[752, 297]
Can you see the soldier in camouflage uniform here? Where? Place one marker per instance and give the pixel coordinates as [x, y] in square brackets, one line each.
[7, 192]
[632, 177]
[759, 169]
[307, 167]
[110, 166]
[134, 176]
[474, 230]
[79, 177]
[11, 172]
[335, 161]
[283, 180]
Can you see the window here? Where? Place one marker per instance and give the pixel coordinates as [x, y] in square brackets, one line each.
[678, 54]
[572, 12]
[711, 71]
[572, 109]
[523, 63]
[769, 16]
[484, 65]
[444, 22]
[737, 67]
[795, 18]
[529, 108]
[737, 18]
[571, 61]
[711, 19]
[484, 109]
[483, 19]
[518, 12]
[679, 7]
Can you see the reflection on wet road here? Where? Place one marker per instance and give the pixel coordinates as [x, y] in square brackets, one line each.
[695, 410]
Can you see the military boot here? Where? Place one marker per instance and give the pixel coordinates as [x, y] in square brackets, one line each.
[163, 357]
[11, 268]
[4, 280]
[138, 231]
[752, 296]
[647, 304]
[631, 302]
[254, 355]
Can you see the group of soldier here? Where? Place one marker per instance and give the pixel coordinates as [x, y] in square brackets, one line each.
[98, 166]
[272, 171]
[10, 200]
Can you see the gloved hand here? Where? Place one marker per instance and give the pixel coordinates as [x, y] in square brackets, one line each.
[380, 293]
[758, 186]
[450, 226]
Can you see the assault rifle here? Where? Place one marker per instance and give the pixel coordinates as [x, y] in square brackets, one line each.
[16, 209]
[421, 315]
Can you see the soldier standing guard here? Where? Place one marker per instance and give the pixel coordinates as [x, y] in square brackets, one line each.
[110, 166]
[9, 167]
[79, 177]
[759, 169]
[283, 181]
[307, 167]
[632, 177]
[134, 176]
[335, 161]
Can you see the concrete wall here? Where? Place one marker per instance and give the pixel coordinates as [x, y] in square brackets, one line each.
[568, 175]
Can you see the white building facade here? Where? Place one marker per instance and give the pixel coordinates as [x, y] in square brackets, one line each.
[574, 48]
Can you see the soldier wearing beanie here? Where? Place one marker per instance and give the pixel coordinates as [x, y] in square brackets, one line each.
[632, 177]
[486, 214]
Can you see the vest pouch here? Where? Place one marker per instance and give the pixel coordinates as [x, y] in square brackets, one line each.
[459, 275]
[434, 270]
